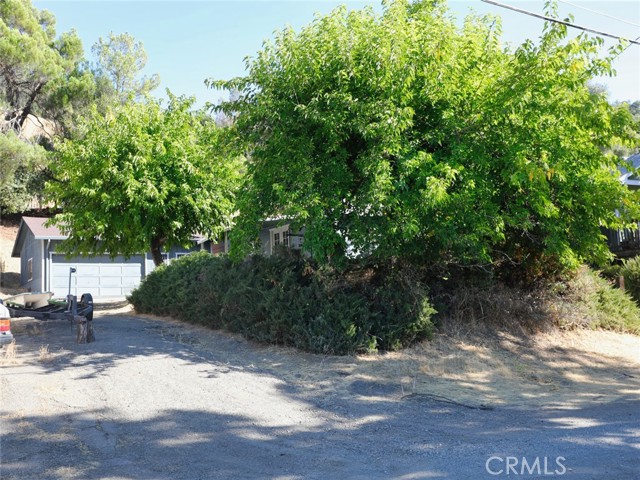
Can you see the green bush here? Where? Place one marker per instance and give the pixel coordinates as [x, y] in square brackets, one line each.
[630, 270]
[479, 302]
[592, 301]
[286, 300]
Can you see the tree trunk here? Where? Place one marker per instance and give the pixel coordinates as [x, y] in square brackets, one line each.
[156, 250]
[28, 107]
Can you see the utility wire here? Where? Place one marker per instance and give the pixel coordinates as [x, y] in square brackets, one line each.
[555, 20]
[625, 49]
[599, 13]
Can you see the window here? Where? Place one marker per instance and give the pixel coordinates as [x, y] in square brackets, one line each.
[182, 254]
[30, 269]
[279, 236]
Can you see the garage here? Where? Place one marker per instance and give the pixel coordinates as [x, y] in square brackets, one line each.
[43, 268]
[99, 276]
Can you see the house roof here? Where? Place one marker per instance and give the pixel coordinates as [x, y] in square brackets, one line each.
[40, 231]
[629, 177]
[36, 226]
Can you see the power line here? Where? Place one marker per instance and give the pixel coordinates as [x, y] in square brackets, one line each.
[555, 20]
[600, 13]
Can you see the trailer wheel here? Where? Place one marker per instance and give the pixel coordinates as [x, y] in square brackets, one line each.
[87, 298]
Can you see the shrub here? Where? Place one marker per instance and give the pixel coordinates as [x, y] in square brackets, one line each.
[590, 300]
[630, 270]
[585, 300]
[286, 300]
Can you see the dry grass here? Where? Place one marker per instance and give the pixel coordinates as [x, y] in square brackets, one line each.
[44, 355]
[501, 368]
[10, 351]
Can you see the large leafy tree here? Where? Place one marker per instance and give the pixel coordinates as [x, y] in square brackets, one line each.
[402, 134]
[143, 177]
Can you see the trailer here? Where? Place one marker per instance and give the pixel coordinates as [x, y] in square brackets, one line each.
[42, 306]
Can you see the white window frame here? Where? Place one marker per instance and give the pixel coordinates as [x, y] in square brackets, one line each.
[281, 234]
[29, 269]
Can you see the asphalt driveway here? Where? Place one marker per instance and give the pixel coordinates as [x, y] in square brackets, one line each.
[152, 399]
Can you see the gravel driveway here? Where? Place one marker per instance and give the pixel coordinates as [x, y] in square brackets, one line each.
[155, 399]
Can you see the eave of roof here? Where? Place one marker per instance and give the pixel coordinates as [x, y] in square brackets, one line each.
[37, 227]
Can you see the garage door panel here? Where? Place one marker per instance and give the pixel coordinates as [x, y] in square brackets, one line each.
[98, 276]
[130, 281]
[88, 282]
[131, 270]
[110, 281]
[85, 270]
[111, 292]
[58, 282]
[111, 271]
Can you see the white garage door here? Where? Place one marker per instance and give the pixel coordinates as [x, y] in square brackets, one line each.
[98, 276]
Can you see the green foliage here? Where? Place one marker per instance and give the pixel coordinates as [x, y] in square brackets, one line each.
[21, 166]
[630, 270]
[480, 302]
[402, 134]
[592, 301]
[141, 177]
[285, 300]
[33, 61]
[120, 59]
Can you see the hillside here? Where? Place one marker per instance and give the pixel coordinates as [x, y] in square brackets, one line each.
[9, 267]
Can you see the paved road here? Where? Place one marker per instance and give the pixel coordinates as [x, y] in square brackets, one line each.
[156, 400]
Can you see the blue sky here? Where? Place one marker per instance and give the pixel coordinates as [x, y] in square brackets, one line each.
[189, 41]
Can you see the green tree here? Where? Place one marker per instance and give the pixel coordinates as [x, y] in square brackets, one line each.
[21, 165]
[401, 134]
[34, 63]
[142, 177]
[43, 87]
[120, 59]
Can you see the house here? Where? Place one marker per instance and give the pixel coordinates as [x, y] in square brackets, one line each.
[43, 269]
[625, 242]
[275, 233]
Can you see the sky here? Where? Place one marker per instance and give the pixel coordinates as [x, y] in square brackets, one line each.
[190, 41]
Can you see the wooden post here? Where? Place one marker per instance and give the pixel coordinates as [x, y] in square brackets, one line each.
[621, 282]
[84, 330]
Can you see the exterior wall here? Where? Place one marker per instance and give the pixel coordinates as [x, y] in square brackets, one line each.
[221, 246]
[32, 250]
[173, 253]
[265, 241]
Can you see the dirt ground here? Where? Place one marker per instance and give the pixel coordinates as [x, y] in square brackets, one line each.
[498, 369]
[551, 369]
[155, 399]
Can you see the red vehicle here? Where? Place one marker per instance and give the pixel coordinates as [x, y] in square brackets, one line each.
[6, 336]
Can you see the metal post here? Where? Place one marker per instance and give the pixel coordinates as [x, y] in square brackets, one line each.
[71, 270]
